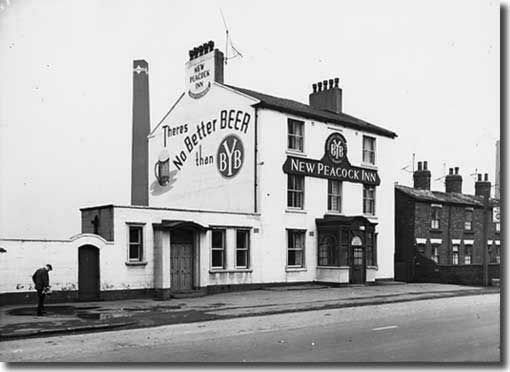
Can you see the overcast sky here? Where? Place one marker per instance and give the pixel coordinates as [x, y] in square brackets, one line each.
[428, 70]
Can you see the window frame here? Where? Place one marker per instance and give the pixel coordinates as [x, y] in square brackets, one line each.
[435, 256]
[222, 249]
[468, 223]
[245, 249]
[468, 252]
[455, 254]
[141, 249]
[366, 189]
[302, 249]
[371, 152]
[338, 196]
[434, 208]
[295, 192]
[298, 139]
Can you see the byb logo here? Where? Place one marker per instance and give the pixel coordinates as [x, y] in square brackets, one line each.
[230, 156]
[336, 147]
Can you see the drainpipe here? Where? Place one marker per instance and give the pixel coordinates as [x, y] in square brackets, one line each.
[255, 182]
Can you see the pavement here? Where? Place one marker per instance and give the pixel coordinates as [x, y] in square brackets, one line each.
[20, 321]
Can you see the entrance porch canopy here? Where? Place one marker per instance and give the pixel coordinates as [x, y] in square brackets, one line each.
[180, 224]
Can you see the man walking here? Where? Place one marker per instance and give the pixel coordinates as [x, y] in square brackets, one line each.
[42, 285]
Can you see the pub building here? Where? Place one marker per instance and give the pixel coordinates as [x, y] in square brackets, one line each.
[236, 189]
[439, 235]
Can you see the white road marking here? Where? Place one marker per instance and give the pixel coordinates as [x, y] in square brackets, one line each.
[387, 327]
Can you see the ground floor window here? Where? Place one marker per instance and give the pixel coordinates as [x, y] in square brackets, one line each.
[328, 250]
[218, 249]
[135, 253]
[242, 249]
[371, 245]
[435, 254]
[295, 248]
[455, 255]
[468, 254]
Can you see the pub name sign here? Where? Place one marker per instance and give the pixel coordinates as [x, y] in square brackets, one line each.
[334, 165]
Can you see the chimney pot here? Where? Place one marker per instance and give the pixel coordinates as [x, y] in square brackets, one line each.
[336, 82]
[479, 176]
[456, 170]
[319, 84]
[424, 165]
[330, 83]
[419, 165]
[211, 45]
[325, 84]
[450, 170]
[486, 176]
[314, 86]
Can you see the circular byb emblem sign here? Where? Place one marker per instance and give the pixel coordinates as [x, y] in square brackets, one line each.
[336, 148]
[230, 156]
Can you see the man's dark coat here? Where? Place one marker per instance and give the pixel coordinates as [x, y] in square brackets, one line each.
[41, 279]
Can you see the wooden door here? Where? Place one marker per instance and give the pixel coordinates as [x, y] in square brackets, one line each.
[357, 264]
[88, 273]
[181, 262]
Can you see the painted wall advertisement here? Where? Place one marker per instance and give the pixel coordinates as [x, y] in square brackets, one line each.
[204, 159]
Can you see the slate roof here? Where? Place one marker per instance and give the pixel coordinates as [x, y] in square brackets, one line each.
[301, 109]
[445, 197]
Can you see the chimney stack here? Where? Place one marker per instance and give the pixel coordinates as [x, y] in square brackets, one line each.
[483, 187]
[141, 129]
[421, 177]
[327, 98]
[453, 181]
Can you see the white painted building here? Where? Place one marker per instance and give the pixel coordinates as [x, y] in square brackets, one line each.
[244, 189]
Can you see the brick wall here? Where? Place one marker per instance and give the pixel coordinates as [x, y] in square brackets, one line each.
[404, 234]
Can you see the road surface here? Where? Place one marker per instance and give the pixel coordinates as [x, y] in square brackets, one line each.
[455, 329]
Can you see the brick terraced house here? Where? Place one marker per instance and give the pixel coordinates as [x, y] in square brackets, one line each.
[439, 236]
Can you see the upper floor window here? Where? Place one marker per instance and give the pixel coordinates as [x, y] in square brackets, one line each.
[295, 191]
[435, 217]
[295, 135]
[369, 200]
[334, 196]
[135, 243]
[468, 222]
[218, 249]
[368, 150]
[498, 226]
[242, 249]
[296, 248]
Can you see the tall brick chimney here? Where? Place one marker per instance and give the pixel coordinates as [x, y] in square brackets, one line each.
[421, 177]
[326, 98]
[141, 129]
[483, 187]
[453, 181]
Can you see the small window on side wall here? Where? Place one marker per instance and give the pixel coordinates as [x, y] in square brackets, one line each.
[218, 249]
[135, 250]
[242, 249]
[468, 223]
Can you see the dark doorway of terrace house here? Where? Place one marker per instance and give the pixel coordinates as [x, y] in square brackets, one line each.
[357, 264]
[88, 273]
[181, 260]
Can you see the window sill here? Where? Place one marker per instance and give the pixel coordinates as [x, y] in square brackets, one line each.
[299, 211]
[295, 153]
[437, 231]
[470, 232]
[295, 269]
[220, 271]
[136, 263]
[373, 267]
[370, 216]
[369, 166]
[334, 213]
[333, 267]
